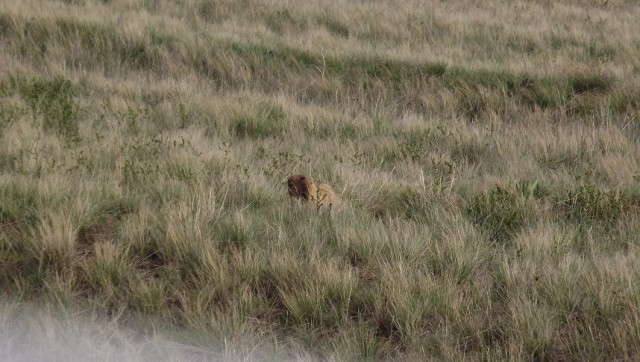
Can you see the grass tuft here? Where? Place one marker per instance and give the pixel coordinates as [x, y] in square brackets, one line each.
[500, 212]
[267, 120]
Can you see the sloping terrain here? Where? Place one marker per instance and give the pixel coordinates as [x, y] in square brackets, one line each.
[487, 153]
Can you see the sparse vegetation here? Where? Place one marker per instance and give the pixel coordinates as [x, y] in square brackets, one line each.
[487, 155]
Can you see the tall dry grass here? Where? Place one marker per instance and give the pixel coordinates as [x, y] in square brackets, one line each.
[487, 153]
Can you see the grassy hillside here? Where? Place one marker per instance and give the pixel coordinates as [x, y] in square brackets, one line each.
[487, 153]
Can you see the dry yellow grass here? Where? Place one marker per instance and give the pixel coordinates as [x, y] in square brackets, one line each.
[497, 142]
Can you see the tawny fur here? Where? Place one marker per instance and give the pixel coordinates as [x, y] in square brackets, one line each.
[304, 188]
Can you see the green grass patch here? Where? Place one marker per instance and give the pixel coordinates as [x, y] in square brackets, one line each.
[502, 211]
[54, 101]
[267, 120]
[18, 201]
[588, 205]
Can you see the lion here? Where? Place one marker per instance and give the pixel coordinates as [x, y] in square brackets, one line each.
[304, 188]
